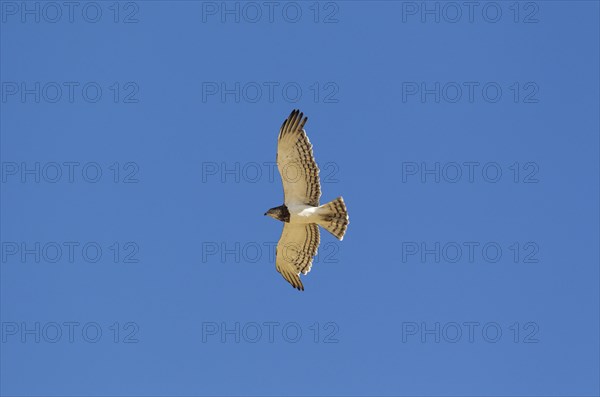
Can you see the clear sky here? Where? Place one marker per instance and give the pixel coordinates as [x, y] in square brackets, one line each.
[138, 142]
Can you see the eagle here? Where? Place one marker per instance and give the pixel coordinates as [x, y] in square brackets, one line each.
[301, 213]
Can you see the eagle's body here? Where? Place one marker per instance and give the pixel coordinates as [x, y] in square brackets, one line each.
[295, 213]
[301, 212]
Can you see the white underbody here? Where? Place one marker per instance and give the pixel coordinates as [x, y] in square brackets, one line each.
[301, 213]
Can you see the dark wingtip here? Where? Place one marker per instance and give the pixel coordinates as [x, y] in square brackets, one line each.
[303, 123]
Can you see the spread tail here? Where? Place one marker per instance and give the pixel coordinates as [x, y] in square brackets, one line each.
[334, 217]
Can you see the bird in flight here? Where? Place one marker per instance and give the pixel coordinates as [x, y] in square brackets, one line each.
[301, 213]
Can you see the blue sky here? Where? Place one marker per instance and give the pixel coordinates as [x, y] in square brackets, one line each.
[138, 142]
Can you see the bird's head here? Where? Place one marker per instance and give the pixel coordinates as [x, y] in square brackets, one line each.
[280, 213]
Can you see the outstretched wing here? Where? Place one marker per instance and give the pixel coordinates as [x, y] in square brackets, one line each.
[296, 164]
[297, 246]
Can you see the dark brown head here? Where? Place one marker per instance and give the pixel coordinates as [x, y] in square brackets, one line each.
[280, 213]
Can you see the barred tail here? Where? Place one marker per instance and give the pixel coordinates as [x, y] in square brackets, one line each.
[334, 217]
